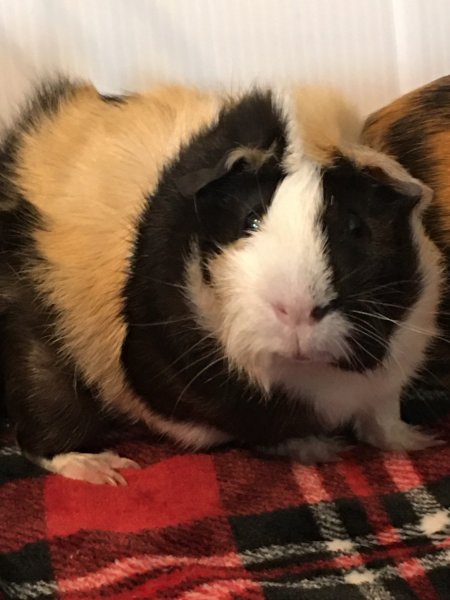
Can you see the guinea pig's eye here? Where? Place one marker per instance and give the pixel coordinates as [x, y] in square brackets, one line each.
[252, 222]
[355, 224]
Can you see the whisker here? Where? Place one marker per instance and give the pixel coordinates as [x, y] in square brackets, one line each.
[390, 305]
[364, 349]
[208, 366]
[346, 353]
[347, 275]
[168, 283]
[159, 323]
[372, 335]
[406, 326]
[389, 320]
[425, 371]
[384, 344]
[379, 303]
[191, 364]
[384, 286]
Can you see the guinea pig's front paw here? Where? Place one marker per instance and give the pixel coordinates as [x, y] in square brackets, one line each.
[99, 468]
[399, 436]
[308, 450]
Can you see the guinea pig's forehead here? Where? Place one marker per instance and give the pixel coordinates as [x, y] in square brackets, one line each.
[345, 182]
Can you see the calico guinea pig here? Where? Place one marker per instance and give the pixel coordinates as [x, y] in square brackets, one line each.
[218, 267]
[415, 129]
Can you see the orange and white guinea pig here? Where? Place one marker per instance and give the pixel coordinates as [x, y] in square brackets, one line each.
[415, 130]
[218, 267]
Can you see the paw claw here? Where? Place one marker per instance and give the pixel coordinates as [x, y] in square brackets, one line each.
[120, 479]
[118, 462]
[94, 468]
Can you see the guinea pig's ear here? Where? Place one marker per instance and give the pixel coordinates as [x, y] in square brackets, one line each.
[238, 159]
[190, 184]
[383, 169]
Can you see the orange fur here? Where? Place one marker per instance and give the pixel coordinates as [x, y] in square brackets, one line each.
[324, 122]
[389, 127]
[88, 170]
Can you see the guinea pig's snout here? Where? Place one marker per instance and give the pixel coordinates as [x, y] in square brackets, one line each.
[296, 313]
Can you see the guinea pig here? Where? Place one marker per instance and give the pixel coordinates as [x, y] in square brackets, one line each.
[218, 267]
[415, 129]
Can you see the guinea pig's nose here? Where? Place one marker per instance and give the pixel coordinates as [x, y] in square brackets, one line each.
[299, 313]
[282, 312]
[294, 314]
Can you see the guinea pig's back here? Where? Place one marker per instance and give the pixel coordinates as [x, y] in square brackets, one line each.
[84, 165]
[415, 129]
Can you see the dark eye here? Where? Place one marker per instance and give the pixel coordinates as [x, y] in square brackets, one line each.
[252, 222]
[355, 225]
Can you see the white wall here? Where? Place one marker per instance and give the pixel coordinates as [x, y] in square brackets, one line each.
[373, 49]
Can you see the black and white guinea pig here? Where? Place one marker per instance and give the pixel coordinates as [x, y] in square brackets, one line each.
[216, 267]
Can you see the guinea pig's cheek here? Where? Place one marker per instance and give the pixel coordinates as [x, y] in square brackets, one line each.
[332, 336]
[247, 327]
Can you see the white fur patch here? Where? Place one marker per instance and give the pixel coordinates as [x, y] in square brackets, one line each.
[189, 435]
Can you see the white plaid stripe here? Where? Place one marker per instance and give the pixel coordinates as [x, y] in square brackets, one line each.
[10, 451]
[24, 591]
[440, 559]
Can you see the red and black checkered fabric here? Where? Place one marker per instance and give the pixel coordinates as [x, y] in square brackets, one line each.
[229, 525]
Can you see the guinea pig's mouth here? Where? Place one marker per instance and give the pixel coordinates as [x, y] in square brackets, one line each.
[317, 358]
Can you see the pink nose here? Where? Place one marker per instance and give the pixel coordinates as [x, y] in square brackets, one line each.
[293, 315]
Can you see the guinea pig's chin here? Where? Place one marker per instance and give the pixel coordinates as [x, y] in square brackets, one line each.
[313, 358]
[267, 354]
[269, 368]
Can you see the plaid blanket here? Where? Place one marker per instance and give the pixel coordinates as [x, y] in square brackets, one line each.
[231, 525]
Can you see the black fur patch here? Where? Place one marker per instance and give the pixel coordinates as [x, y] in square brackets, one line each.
[373, 258]
[52, 407]
[169, 361]
[223, 207]
[46, 100]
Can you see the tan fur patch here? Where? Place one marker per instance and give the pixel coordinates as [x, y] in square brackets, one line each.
[88, 171]
[326, 121]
